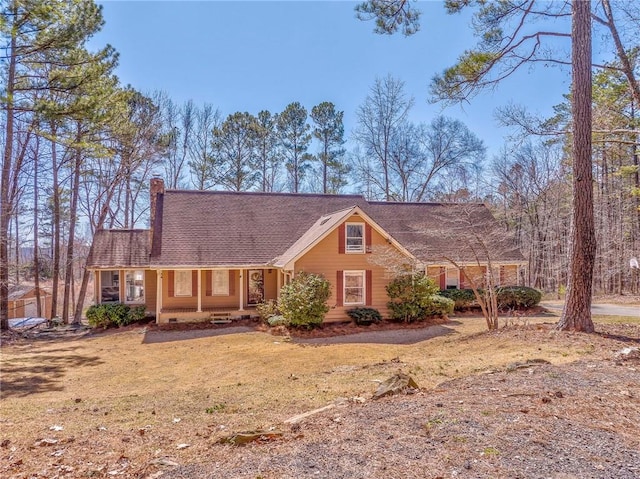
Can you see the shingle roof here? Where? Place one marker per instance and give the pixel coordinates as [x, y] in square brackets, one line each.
[203, 228]
[17, 291]
[433, 232]
[120, 249]
[199, 229]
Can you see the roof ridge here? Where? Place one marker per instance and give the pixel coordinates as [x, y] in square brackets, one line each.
[124, 230]
[418, 203]
[265, 193]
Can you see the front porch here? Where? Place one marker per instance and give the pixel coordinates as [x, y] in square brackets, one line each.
[208, 314]
[218, 295]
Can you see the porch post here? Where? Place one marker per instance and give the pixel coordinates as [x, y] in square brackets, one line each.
[97, 288]
[199, 291]
[158, 294]
[241, 286]
[122, 287]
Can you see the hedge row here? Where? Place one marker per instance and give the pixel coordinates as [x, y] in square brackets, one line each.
[509, 297]
[114, 314]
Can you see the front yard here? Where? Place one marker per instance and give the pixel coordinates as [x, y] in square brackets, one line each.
[119, 403]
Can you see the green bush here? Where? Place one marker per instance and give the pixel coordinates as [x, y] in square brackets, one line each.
[267, 309]
[364, 316]
[277, 320]
[440, 306]
[518, 297]
[411, 297]
[114, 314]
[303, 302]
[462, 298]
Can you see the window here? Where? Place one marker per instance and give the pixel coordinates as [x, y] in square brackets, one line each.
[453, 279]
[354, 238]
[182, 283]
[134, 286]
[109, 286]
[354, 284]
[220, 282]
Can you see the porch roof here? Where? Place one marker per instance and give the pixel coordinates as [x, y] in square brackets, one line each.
[120, 249]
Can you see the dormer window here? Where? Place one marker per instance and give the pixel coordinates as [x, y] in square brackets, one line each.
[354, 238]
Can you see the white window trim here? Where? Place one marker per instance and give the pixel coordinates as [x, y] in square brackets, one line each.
[446, 278]
[225, 273]
[346, 238]
[361, 273]
[175, 283]
[144, 289]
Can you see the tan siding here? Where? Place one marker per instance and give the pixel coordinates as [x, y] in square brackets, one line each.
[175, 301]
[433, 272]
[270, 284]
[18, 307]
[150, 289]
[510, 275]
[324, 259]
[475, 273]
[231, 301]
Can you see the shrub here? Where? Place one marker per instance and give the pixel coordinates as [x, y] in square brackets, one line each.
[364, 316]
[276, 320]
[518, 297]
[267, 310]
[303, 302]
[114, 314]
[440, 306]
[462, 298]
[411, 297]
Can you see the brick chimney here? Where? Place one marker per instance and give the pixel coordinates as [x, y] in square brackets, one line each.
[156, 187]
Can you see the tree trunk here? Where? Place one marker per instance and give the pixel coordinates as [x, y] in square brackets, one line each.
[5, 206]
[17, 240]
[68, 280]
[36, 256]
[55, 227]
[576, 315]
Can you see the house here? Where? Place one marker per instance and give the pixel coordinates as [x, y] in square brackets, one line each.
[23, 302]
[213, 254]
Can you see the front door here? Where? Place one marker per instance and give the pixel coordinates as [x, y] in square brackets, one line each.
[256, 286]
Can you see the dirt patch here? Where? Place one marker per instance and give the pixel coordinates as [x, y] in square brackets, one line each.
[573, 421]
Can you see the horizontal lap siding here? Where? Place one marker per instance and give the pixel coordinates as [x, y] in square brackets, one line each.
[270, 284]
[510, 275]
[325, 259]
[150, 289]
[435, 273]
[175, 301]
[475, 273]
[231, 301]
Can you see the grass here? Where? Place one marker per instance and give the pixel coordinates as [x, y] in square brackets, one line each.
[108, 387]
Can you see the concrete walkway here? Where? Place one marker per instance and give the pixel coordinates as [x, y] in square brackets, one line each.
[600, 308]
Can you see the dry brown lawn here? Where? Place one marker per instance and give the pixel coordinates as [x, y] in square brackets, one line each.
[110, 403]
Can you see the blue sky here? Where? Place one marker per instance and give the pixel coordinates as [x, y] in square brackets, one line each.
[249, 56]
